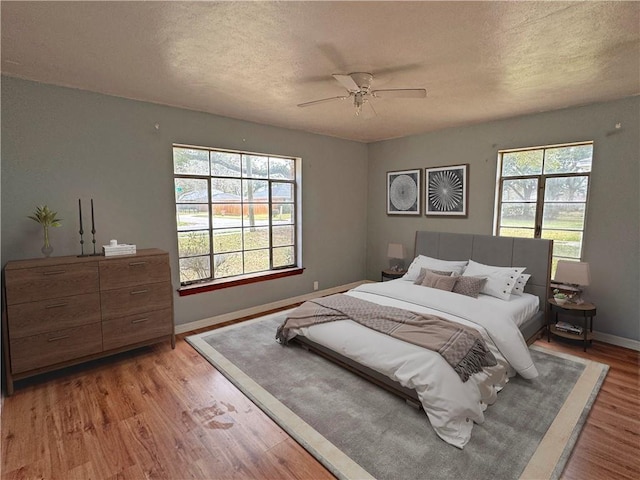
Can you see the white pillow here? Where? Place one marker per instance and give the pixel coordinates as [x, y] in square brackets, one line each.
[500, 280]
[422, 261]
[522, 280]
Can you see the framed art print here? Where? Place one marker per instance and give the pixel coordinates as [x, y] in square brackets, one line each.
[446, 191]
[403, 192]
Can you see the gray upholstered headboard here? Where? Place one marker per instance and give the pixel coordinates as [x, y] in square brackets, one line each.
[535, 254]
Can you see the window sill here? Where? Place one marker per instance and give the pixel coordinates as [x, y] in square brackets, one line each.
[235, 281]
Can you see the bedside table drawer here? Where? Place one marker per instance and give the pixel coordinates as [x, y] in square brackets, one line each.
[136, 328]
[33, 318]
[47, 349]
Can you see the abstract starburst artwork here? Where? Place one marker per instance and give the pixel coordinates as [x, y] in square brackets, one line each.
[403, 192]
[446, 191]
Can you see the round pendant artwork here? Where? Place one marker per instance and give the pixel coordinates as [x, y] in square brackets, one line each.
[403, 193]
[446, 191]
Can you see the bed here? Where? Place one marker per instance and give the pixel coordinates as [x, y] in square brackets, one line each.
[421, 376]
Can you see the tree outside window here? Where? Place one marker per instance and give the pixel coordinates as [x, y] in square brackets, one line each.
[542, 193]
[235, 213]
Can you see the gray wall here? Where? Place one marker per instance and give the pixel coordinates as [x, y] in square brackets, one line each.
[61, 144]
[612, 243]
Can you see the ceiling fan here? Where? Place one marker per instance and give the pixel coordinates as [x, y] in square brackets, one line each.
[358, 84]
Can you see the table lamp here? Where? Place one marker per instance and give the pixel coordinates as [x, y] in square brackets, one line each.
[395, 252]
[574, 275]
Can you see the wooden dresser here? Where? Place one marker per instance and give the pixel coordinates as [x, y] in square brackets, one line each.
[62, 311]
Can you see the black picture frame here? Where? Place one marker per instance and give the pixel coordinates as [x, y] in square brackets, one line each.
[447, 191]
[404, 195]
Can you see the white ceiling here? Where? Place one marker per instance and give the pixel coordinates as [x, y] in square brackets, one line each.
[256, 61]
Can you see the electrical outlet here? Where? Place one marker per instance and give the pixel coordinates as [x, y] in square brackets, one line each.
[315, 285]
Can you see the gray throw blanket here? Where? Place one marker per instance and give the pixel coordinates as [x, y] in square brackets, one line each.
[462, 347]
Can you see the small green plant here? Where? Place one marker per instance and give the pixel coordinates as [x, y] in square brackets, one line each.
[45, 217]
[559, 295]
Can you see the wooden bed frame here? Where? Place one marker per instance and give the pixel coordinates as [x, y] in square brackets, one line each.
[534, 254]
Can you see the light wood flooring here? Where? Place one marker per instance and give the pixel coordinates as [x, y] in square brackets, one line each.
[162, 413]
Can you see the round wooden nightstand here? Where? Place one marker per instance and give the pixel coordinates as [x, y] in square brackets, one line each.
[392, 274]
[585, 311]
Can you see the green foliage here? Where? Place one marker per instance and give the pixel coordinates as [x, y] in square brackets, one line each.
[193, 244]
[232, 187]
[575, 158]
[558, 294]
[45, 217]
[231, 263]
[526, 162]
[548, 161]
[566, 243]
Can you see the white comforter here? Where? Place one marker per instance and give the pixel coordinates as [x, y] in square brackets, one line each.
[451, 405]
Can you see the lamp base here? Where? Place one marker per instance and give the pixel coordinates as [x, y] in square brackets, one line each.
[573, 292]
[396, 265]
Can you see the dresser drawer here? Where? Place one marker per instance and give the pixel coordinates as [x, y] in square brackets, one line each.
[132, 271]
[136, 299]
[136, 328]
[33, 318]
[41, 283]
[47, 349]
[55, 309]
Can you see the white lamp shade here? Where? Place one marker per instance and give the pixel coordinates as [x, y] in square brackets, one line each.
[395, 250]
[574, 273]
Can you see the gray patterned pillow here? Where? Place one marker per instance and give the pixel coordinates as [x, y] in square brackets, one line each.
[423, 272]
[469, 286]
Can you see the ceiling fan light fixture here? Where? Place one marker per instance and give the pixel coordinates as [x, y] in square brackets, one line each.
[362, 80]
[358, 101]
[358, 86]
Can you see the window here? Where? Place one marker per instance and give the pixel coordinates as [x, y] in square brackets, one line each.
[542, 193]
[236, 213]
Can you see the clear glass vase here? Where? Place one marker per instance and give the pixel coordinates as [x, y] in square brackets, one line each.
[46, 249]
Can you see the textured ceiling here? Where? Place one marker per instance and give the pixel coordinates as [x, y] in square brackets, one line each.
[256, 61]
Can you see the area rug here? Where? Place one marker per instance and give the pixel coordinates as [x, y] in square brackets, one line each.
[358, 430]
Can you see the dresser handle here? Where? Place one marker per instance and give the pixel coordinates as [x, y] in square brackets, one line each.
[57, 305]
[138, 292]
[54, 339]
[140, 320]
[136, 264]
[54, 272]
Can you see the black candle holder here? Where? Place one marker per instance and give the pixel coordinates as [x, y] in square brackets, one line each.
[93, 232]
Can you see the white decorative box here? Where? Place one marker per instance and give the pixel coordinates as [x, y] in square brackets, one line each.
[120, 249]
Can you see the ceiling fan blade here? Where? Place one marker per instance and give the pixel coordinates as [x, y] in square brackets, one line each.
[367, 111]
[407, 67]
[323, 100]
[400, 93]
[347, 82]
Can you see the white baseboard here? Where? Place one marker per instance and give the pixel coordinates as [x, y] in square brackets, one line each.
[619, 341]
[226, 317]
